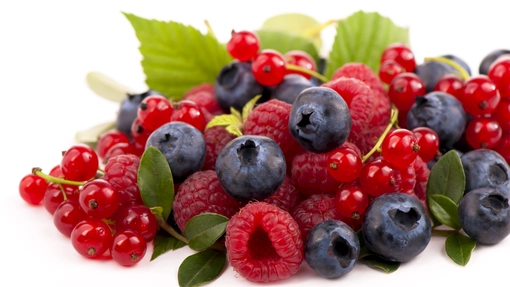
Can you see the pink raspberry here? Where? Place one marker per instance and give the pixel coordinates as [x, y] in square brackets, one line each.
[203, 95]
[422, 178]
[215, 140]
[310, 173]
[264, 243]
[361, 72]
[286, 196]
[314, 210]
[121, 172]
[199, 193]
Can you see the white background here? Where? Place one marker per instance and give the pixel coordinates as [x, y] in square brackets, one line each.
[46, 49]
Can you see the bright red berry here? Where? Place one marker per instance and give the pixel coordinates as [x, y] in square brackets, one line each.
[188, 112]
[502, 114]
[119, 149]
[203, 95]
[138, 218]
[377, 177]
[389, 69]
[428, 140]
[400, 53]
[351, 201]
[483, 133]
[404, 89]
[503, 147]
[56, 171]
[499, 73]
[344, 164]
[91, 238]
[128, 247]
[67, 215]
[79, 163]
[109, 139]
[479, 96]
[99, 199]
[32, 188]
[451, 84]
[54, 195]
[400, 148]
[243, 45]
[268, 67]
[154, 111]
[302, 59]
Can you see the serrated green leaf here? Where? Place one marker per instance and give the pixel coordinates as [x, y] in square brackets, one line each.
[90, 135]
[235, 113]
[377, 263]
[284, 42]
[362, 37]
[106, 87]
[248, 107]
[204, 229]
[295, 23]
[234, 129]
[162, 244]
[459, 248]
[447, 177]
[444, 210]
[202, 267]
[155, 181]
[223, 121]
[176, 57]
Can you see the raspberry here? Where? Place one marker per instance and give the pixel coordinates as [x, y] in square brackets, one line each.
[203, 95]
[215, 140]
[422, 173]
[314, 210]
[361, 72]
[121, 172]
[264, 243]
[285, 197]
[309, 172]
[271, 119]
[199, 193]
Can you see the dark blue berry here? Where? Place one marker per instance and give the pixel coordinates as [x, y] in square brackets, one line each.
[332, 249]
[441, 112]
[489, 59]
[396, 227]
[431, 71]
[235, 86]
[459, 61]
[128, 109]
[484, 215]
[320, 120]
[251, 168]
[290, 87]
[485, 168]
[183, 146]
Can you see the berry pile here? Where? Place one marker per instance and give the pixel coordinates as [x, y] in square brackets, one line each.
[301, 168]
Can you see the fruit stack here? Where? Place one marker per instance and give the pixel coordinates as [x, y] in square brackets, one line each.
[277, 165]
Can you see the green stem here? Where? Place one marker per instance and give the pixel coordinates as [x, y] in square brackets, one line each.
[315, 74]
[451, 63]
[163, 224]
[38, 171]
[209, 29]
[101, 170]
[63, 191]
[393, 120]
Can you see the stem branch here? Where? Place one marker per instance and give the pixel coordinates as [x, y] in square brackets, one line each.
[393, 120]
[315, 74]
[163, 224]
[37, 171]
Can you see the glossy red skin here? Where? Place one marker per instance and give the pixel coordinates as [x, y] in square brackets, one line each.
[99, 199]
[243, 45]
[79, 163]
[154, 111]
[189, 112]
[53, 196]
[91, 238]
[376, 177]
[344, 164]
[302, 59]
[450, 84]
[268, 67]
[499, 73]
[502, 114]
[483, 133]
[400, 53]
[503, 147]
[138, 218]
[56, 171]
[351, 201]
[67, 215]
[480, 96]
[404, 89]
[32, 189]
[388, 70]
[428, 140]
[128, 247]
[109, 139]
[399, 148]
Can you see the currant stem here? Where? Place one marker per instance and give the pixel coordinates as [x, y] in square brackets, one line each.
[38, 171]
[452, 63]
[315, 74]
[63, 191]
[209, 29]
[163, 224]
[393, 120]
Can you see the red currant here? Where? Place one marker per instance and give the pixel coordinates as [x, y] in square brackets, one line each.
[400, 53]
[400, 148]
[67, 215]
[109, 139]
[479, 96]
[189, 112]
[79, 163]
[243, 45]
[351, 201]
[499, 73]
[404, 89]
[483, 133]
[119, 149]
[502, 115]
[128, 247]
[451, 84]
[138, 218]
[503, 147]
[53, 195]
[344, 164]
[154, 111]
[56, 171]
[377, 177]
[91, 237]
[302, 59]
[268, 67]
[428, 140]
[140, 133]
[32, 188]
[388, 70]
[99, 199]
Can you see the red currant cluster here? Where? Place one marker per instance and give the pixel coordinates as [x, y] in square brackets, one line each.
[269, 67]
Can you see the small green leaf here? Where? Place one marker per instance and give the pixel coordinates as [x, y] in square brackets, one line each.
[235, 113]
[223, 120]
[234, 129]
[155, 181]
[90, 136]
[106, 87]
[362, 37]
[249, 106]
[447, 177]
[459, 248]
[204, 229]
[162, 244]
[295, 23]
[176, 57]
[444, 210]
[377, 263]
[202, 267]
[284, 42]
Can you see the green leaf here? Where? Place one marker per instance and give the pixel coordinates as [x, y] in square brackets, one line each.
[204, 229]
[201, 268]
[295, 23]
[223, 120]
[162, 244]
[284, 42]
[106, 87]
[249, 106]
[155, 181]
[447, 177]
[362, 37]
[90, 136]
[444, 210]
[459, 248]
[235, 113]
[176, 57]
[234, 129]
[377, 263]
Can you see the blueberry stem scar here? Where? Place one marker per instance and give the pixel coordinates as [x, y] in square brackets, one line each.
[315, 74]
[37, 171]
[393, 120]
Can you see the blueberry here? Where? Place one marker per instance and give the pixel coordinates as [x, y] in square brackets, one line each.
[332, 249]
[441, 112]
[320, 120]
[251, 168]
[489, 59]
[396, 227]
[290, 87]
[459, 61]
[235, 86]
[485, 168]
[433, 162]
[431, 71]
[183, 146]
[128, 110]
[484, 215]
